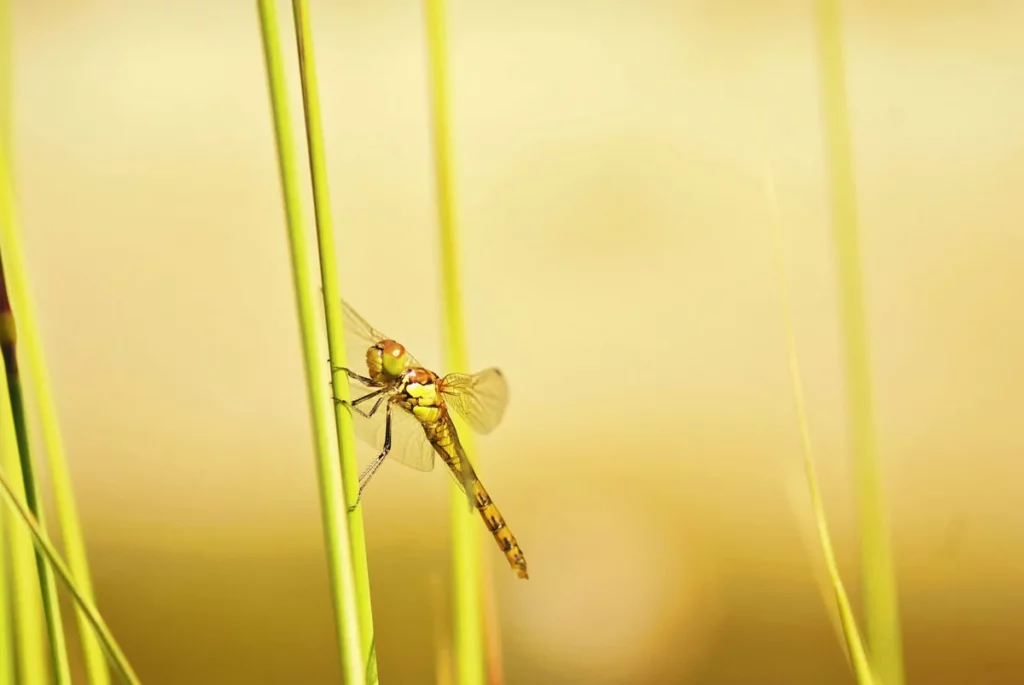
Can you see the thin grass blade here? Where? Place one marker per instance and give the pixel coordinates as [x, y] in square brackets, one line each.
[467, 586]
[800, 504]
[59, 665]
[337, 537]
[855, 647]
[8, 674]
[17, 285]
[15, 499]
[335, 325]
[878, 578]
[30, 653]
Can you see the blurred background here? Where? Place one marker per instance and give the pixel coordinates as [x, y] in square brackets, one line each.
[617, 263]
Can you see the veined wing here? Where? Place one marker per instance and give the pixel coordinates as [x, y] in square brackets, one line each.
[360, 336]
[459, 467]
[409, 444]
[480, 398]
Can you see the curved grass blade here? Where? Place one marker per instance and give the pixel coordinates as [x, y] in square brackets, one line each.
[332, 496]
[25, 659]
[7, 670]
[878, 578]
[855, 647]
[93, 618]
[467, 585]
[335, 328]
[51, 607]
[798, 501]
[14, 498]
[29, 648]
[59, 666]
[16, 280]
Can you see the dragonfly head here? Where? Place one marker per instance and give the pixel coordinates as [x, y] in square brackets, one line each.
[388, 358]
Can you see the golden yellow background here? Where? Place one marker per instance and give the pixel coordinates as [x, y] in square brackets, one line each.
[618, 266]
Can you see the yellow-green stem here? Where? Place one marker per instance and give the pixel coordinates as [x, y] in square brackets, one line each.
[60, 668]
[467, 586]
[854, 645]
[332, 497]
[29, 647]
[67, 516]
[335, 326]
[14, 496]
[7, 667]
[878, 577]
[7, 659]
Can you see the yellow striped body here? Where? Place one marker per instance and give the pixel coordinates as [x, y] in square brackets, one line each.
[420, 395]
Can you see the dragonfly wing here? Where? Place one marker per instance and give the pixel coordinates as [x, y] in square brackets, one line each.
[360, 336]
[459, 467]
[465, 476]
[480, 398]
[357, 327]
[409, 445]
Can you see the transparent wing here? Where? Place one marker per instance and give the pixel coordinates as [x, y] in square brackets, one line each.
[480, 398]
[466, 477]
[461, 470]
[409, 444]
[360, 336]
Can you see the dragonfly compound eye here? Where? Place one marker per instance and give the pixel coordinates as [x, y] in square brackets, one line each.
[394, 357]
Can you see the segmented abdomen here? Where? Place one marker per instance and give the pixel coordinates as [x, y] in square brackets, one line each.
[443, 436]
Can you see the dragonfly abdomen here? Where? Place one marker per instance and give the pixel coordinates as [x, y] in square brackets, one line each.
[495, 523]
[445, 440]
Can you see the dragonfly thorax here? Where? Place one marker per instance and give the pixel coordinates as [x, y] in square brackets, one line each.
[386, 360]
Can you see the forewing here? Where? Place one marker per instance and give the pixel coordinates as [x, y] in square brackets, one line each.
[409, 444]
[359, 337]
[480, 398]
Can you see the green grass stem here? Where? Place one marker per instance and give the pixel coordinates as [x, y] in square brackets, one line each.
[59, 665]
[29, 653]
[8, 674]
[332, 496]
[17, 283]
[14, 496]
[467, 588]
[335, 326]
[878, 578]
[854, 646]
[60, 668]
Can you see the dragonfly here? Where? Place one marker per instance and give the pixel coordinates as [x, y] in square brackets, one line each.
[409, 417]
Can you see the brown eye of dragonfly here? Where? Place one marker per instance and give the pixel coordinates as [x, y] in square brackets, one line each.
[390, 347]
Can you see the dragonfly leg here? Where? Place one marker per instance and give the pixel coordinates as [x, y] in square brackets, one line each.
[373, 410]
[368, 396]
[364, 479]
[355, 376]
